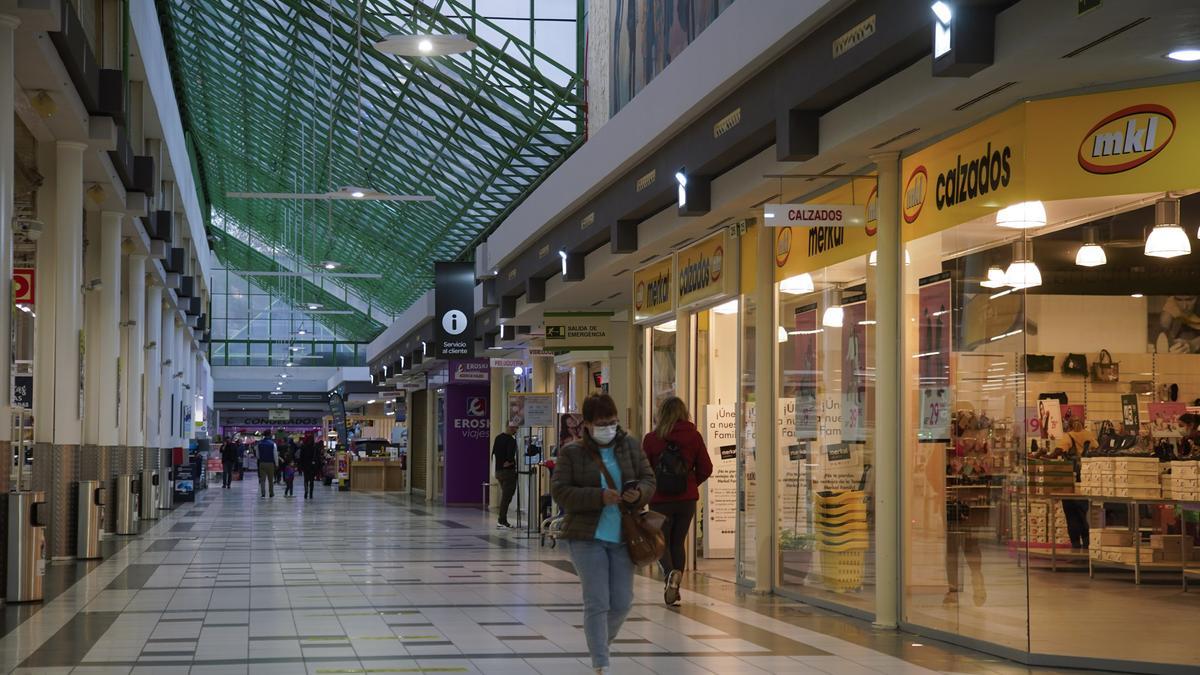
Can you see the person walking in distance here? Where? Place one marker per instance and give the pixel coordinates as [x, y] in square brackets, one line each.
[310, 463]
[591, 477]
[504, 451]
[268, 456]
[681, 464]
[230, 460]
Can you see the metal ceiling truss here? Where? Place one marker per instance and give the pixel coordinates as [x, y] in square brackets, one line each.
[291, 96]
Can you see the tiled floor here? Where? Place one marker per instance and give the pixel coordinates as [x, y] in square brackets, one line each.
[361, 583]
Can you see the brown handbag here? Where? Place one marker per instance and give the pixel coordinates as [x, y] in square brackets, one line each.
[642, 530]
[1105, 369]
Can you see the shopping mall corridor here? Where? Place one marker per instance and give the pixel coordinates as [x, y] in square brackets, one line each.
[368, 583]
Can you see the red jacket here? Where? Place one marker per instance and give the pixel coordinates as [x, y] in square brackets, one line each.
[691, 446]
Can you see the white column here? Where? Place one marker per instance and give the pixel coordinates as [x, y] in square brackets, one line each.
[133, 362]
[152, 363]
[889, 393]
[44, 326]
[108, 319]
[8, 24]
[166, 362]
[68, 247]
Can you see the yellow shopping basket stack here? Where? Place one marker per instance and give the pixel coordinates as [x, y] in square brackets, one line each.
[842, 538]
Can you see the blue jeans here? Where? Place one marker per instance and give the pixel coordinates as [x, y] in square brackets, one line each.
[606, 575]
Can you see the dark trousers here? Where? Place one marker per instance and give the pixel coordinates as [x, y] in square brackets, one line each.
[227, 469]
[508, 487]
[289, 486]
[310, 478]
[675, 531]
[1076, 511]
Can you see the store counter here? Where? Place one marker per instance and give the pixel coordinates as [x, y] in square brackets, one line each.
[385, 475]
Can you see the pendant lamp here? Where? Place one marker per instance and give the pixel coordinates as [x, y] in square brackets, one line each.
[1022, 216]
[995, 278]
[1023, 272]
[1090, 254]
[797, 285]
[1167, 239]
[833, 316]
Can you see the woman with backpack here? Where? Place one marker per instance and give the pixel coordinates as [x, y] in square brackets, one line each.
[680, 460]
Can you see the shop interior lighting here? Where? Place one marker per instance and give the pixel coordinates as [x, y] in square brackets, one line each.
[782, 335]
[1022, 272]
[833, 317]
[1023, 216]
[995, 278]
[1167, 239]
[288, 364]
[1185, 55]
[425, 45]
[1136, 295]
[371, 402]
[730, 307]
[667, 327]
[1091, 254]
[301, 332]
[797, 285]
[873, 259]
[518, 371]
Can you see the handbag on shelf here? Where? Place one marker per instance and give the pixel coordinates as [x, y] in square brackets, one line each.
[1039, 363]
[642, 530]
[1075, 364]
[1105, 369]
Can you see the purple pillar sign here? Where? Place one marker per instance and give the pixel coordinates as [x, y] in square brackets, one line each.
[468, 431]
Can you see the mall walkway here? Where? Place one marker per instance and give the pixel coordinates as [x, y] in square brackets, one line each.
[361, 583]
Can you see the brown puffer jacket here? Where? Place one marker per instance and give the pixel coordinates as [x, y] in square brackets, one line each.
[575, 484]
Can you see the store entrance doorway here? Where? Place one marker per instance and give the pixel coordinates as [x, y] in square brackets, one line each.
[712, 398]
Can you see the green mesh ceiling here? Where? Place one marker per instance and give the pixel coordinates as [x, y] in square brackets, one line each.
[291, 96]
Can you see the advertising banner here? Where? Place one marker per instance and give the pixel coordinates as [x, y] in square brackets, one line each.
[705, 270]
[720, 490]
[279, 414]
[468, 437]
[454, 310]
[653, 290]
[1129, 414]
[933, 357]
[804, 341]
[539, 410]
[578, 330]
[1050, 418]
[854, 369]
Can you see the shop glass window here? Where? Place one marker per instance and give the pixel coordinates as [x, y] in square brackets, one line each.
[747, 529]
[662, 363]
[826, 442]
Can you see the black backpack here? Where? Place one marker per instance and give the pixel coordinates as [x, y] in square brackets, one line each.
[671, 471]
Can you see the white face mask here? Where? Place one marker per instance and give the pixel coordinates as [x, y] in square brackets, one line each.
[604, 435]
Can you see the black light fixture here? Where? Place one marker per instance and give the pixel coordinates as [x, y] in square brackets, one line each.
[964, 38]
[694, 194]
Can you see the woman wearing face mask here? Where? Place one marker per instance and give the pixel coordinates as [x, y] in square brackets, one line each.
[592, 526]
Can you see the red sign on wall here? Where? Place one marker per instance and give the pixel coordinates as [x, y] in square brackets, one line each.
[24, 282]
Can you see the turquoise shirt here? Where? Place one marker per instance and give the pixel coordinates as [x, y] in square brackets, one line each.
[609, 527]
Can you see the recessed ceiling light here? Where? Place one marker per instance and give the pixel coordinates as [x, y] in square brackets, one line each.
[425, 45]
[313, 305]
[301, 332]
[1185, 55]
[330, 265]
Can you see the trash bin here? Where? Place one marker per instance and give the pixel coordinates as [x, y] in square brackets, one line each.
[166, 488]
[87, 528]
[149, 500]
[27, 516]
[126, 492]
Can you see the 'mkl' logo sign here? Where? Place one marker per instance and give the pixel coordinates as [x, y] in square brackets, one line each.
[477, 406]
[1126, 139]
[914, 194]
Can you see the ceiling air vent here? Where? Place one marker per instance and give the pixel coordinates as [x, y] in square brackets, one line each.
[679, 244]
[831, 169]
[613, 295]
[895, 138]
[646, 260]
[987, 94]
[617, 274]
[1101, 40]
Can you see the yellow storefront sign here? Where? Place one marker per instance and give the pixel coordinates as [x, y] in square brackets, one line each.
[976, 172]
[705, 270]
[1125, 142]
[806, 249]
[653, 290]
